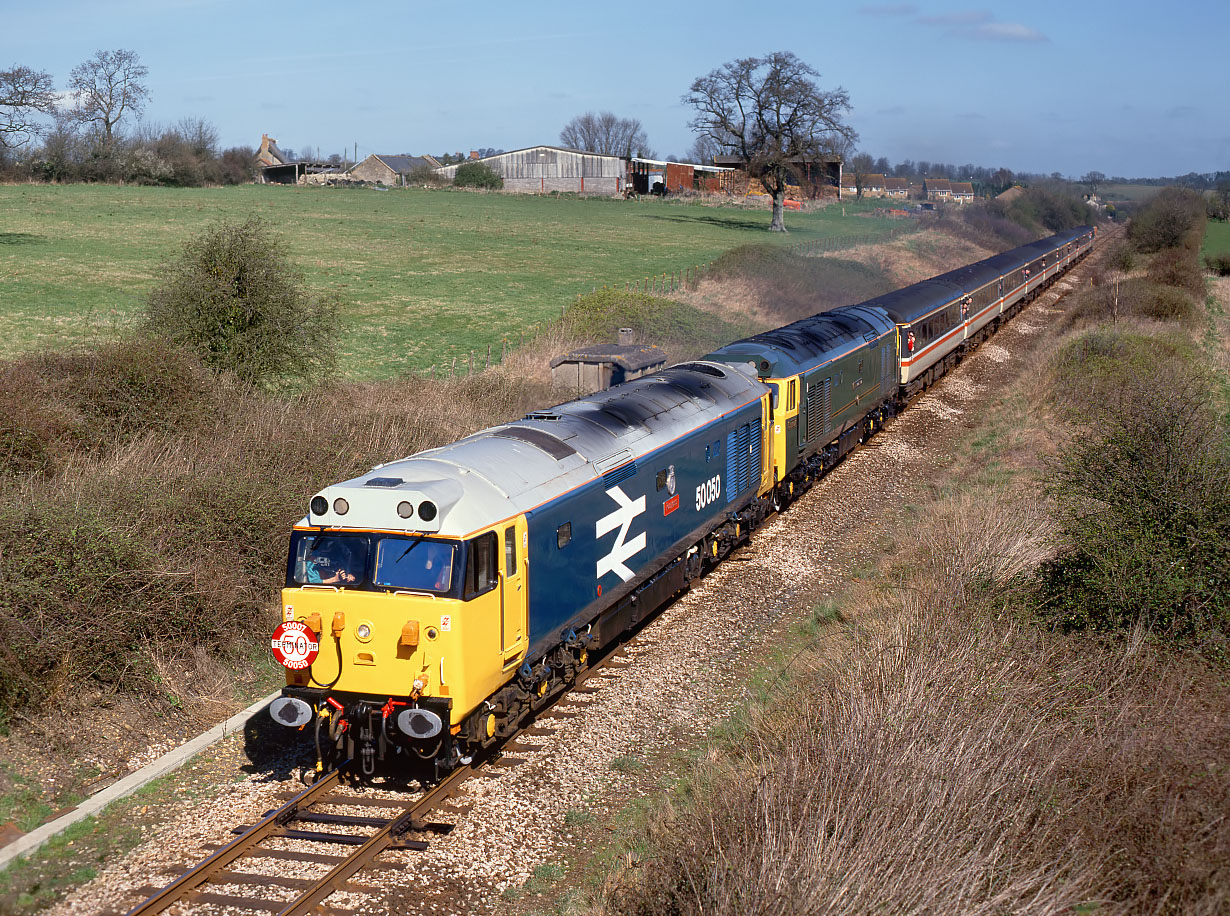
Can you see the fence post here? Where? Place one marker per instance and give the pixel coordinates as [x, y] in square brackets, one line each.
[488, 366]
[471, 362]
[453, 371]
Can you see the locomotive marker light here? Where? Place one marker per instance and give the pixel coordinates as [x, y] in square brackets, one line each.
[294, 645]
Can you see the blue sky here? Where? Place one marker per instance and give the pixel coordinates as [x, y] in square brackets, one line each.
[1126, 88]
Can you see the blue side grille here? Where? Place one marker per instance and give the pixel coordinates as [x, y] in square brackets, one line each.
[744, 444]
[738, 447]
[754, 462]
[732, 467]
[619, 475]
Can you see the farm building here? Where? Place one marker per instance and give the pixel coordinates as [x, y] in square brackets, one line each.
[541, 169]
[390, 171]
[820, 177]
[269, 154]
[676, 177]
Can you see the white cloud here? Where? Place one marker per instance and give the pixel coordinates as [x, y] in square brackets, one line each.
[981, 25]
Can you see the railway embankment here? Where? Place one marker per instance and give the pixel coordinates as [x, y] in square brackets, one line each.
[1021, 704]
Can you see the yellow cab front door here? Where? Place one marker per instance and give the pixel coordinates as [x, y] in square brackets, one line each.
[513, 592]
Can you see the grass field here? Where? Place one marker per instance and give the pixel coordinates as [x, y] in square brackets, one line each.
[424, 275]
[1132, 192]
[1216, 238]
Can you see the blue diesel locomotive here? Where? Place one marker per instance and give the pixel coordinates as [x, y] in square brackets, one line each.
[434, 604]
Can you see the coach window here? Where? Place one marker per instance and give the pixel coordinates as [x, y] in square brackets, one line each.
[563, 534]
[510, 550]
[482, 565]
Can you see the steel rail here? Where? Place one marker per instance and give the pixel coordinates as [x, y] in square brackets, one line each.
[236, 849]
[387, 837]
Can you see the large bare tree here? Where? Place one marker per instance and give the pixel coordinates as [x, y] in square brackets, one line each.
[24, 95]
[607, 134]
[106, 88]
[770, 111]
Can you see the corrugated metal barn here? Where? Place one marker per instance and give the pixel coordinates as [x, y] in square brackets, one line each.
[542, 169]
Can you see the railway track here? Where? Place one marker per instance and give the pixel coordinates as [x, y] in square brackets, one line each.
[312, 816]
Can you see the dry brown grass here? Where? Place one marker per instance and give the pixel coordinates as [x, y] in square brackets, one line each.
[956, 761]
[912, 258]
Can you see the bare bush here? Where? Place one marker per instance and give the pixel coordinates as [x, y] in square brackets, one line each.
[1178, 267]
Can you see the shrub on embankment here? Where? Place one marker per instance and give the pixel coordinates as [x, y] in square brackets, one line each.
[1142, 494]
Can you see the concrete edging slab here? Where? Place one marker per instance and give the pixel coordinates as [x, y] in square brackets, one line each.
[169, 761]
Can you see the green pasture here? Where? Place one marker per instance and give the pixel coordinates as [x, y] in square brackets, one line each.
[1216, 238]
[424, 275]
[1133, 192]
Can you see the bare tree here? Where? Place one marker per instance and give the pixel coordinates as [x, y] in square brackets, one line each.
[703, 149]
[607, 134]
[1093, 180]
[108, 86]
[770, 111]
[200, 135]
[24, 94]
[860, 166]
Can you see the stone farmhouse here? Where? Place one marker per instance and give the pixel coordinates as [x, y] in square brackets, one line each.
[390, 171]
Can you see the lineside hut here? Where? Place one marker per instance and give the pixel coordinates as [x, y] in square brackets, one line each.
[593, 369]
[542, 169]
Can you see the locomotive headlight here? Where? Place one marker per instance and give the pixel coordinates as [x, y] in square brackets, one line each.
[319, 505]
[427, 510]
[363, 632]
[405, 509]
[340, 506]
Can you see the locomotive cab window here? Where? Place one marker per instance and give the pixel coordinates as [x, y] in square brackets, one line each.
[482, 565]
[563, 535]
[510, 551]
[325, 559]
[414, 564]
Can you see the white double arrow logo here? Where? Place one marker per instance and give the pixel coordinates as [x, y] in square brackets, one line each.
[622, 550]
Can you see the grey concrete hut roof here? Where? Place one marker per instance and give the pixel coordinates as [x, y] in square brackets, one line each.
[631, 358]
